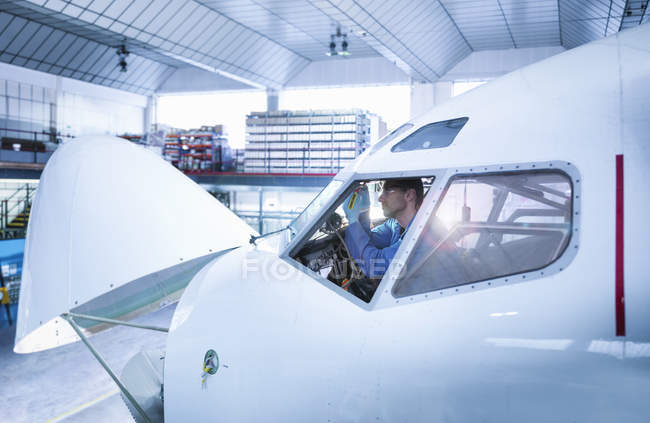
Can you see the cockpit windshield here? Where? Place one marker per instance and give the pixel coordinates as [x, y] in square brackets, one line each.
[353, 244]
[317, 204]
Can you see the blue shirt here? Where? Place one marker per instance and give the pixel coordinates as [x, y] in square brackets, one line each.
[373, 250]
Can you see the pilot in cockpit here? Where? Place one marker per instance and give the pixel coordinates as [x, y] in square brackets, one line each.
[374, 249]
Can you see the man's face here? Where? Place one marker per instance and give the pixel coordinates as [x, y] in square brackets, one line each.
[393, 200]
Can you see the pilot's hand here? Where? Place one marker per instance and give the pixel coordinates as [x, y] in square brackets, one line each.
[357, 203]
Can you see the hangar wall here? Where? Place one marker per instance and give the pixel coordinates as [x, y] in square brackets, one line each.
[341, 71]
[34, 101]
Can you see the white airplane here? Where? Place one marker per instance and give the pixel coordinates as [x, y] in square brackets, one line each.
[519, 292]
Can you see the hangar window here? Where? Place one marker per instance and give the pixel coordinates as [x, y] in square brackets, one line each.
[489, 226]
[433, 135]
[353, 248]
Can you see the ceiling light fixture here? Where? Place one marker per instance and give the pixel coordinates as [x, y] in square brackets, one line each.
[332, 51]
[344, 44]
[122, 53]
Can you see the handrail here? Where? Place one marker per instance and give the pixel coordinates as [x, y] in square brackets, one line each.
[43, 132]
[11, 210]
[25, 201]
[16, 192]
[39, 139]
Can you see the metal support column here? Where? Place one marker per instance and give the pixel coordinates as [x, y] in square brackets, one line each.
[260, 221]
[272, 102]
[5, 217]
[34, 147]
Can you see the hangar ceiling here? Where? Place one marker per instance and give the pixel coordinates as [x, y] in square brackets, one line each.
[266, 43]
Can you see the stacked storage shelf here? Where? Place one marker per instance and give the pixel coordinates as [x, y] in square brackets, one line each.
[172, 149]
[304, 142]
[198, 151]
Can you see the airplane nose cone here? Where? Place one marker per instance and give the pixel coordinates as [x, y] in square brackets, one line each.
[271, 327]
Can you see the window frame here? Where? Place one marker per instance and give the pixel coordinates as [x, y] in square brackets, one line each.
[384, 296]
[319, 214]
[318, 217]
[391, 137]
[423, 128]
[343, 191]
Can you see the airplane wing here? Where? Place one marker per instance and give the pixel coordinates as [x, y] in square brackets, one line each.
[115, 231]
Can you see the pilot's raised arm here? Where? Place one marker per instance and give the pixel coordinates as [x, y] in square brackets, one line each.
[373, 250]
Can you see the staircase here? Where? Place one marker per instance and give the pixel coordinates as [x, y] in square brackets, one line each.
[21, 219]
[15, 207]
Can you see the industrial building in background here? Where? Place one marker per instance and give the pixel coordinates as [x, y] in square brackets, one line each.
[308, 142]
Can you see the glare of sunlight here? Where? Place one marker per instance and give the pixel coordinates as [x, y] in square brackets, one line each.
[507, 313]
[620, 349]
[448, 216]
[534, 344]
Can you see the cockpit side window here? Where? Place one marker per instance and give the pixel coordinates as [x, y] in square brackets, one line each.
[488, 226]
[355, 241]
